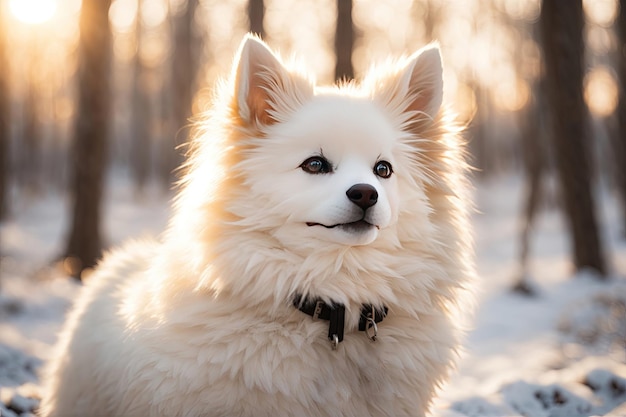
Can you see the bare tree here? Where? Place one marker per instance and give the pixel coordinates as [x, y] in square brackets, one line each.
[620, 138]
[4, 121]
[561, 32]
[140, 141]
[30, 149]
[90, 136]
[344, 41]
[534, 158]
[4, 128]
[183, 80]
[532, 121]
[256, 13]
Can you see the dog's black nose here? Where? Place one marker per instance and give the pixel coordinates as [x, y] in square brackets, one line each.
[363, 195]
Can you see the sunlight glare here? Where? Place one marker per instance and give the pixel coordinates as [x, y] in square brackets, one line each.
[33, 11]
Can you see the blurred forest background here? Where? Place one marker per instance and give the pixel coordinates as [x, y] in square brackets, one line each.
[101, 89]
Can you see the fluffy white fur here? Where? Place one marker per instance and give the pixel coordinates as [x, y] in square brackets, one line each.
[201, 323]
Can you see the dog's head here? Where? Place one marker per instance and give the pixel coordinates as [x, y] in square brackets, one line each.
[353, 192]
[325, 166]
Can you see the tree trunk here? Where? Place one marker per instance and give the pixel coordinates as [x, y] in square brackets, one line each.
[534, 158]
[90, 135]
[620, 138]
[562, 37]
[477, 132]
[30, 150]
[256, 12]
[4, 122]
[183, 82]
[140, 140]
[344, 41]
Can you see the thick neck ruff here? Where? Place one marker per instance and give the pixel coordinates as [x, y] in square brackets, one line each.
[335, 314]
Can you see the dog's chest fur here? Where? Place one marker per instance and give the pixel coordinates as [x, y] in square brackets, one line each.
[209, 356]
[251, 365]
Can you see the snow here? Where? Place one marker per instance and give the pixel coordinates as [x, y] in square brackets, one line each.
[530, 356]
[561, 353]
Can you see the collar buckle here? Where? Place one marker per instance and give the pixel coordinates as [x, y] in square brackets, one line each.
[318, 309]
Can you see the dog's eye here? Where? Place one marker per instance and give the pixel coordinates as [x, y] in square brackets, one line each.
[316, 165]
[383, 169]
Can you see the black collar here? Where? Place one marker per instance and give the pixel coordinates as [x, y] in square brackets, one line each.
[335, 314]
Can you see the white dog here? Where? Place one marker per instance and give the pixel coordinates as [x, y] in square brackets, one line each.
[315, 264]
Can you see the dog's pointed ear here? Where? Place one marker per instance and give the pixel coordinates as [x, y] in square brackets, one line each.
[418, 85]
[264, 88]
[425, 81]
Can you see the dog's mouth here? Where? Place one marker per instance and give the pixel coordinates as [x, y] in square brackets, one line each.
[357, 226]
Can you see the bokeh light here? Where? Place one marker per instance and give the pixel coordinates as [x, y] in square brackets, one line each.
[123, 14]
[601, 12]
[153, 13]
[512, 95]
[601, 93]
[520, 9]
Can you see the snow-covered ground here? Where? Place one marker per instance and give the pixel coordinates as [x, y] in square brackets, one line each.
[542, 356]
[561, 353]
